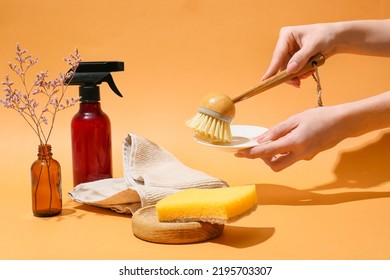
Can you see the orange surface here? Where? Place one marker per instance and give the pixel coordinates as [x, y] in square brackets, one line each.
[336, 206]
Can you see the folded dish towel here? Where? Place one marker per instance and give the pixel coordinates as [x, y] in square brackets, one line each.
[150, 173]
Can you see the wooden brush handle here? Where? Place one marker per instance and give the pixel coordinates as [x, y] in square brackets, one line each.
[281, 77]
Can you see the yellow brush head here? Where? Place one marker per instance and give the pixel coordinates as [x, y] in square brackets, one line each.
[213, 119]
[212, 128]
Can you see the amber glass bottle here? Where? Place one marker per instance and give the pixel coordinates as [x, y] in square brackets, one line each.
[46, 184]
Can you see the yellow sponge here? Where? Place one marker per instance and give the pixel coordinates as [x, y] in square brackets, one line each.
[221, 205]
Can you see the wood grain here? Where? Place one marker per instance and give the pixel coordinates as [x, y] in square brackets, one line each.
[146, 226]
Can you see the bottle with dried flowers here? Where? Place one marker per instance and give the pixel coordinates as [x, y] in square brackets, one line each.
[38, 104]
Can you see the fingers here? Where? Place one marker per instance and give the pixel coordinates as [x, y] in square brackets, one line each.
[281, 162]
[295, 82]
[274, 154]
[273, 68]
[307, 74]
[299, 59]
[277, 131]
[278, 155]
[275, 147]
[280, 56]
[266, 150]
[291, 54]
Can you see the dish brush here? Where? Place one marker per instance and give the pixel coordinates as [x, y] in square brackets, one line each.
[216, 111]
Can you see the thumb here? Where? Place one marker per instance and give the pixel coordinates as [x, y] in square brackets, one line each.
[299, 59]
[277, 131]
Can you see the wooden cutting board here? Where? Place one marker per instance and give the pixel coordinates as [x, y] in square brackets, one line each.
[146, 226]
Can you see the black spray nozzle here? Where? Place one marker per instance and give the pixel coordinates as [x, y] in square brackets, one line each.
[89, 75]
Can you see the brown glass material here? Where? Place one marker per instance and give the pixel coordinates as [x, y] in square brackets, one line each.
[46, 184]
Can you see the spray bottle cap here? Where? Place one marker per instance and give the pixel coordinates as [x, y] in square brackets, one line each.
[89, 75]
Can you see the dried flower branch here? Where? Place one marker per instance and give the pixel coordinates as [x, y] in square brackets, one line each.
[39, 103]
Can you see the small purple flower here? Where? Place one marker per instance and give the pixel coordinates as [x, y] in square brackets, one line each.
[43, 88]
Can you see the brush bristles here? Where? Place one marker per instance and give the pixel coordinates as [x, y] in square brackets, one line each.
[216, 130]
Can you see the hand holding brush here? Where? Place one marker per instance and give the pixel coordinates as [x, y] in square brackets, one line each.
[217, 111]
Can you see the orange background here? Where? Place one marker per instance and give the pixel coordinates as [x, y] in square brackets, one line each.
[336, 206]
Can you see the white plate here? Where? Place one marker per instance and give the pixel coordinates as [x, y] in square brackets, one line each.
[242, 138]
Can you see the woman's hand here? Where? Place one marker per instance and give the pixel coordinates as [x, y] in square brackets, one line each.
[296, 45]
[304, 135]
[300, 137]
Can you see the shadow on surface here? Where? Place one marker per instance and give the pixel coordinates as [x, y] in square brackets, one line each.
[363, 168]
[359, 169]
[243, 237]
[100, 210]
[282, 195]
[67, 212]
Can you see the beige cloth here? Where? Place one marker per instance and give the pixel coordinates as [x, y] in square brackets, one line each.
[150, 173]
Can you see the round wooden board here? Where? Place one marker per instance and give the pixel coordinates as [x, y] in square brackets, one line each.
[146, 226]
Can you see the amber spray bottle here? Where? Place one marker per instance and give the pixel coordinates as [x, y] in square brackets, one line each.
[91, 127]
